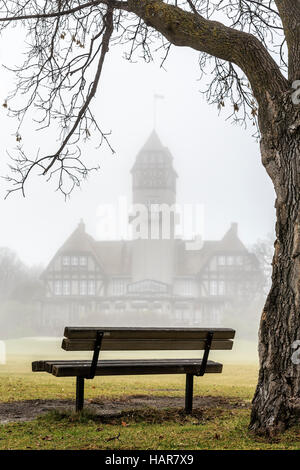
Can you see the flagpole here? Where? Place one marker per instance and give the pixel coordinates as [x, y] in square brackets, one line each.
[155, 98]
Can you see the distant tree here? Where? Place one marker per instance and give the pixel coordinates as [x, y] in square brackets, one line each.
[28, 290]
[255, 54]
[17, 281]
[264, 252]
[20, 289]
[12, 272]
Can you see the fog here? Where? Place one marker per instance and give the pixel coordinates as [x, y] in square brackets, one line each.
[218, 164]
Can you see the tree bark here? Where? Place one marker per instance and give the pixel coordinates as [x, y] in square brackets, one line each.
[276, 404]
[289, 11]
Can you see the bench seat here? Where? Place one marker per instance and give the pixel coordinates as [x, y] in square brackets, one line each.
[81, 368]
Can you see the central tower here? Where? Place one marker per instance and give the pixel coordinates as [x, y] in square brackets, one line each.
[153, 175]
[154, 183]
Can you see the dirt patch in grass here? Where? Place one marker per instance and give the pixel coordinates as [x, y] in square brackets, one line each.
[28, 410]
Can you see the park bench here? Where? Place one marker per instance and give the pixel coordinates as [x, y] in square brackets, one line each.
[138, 339]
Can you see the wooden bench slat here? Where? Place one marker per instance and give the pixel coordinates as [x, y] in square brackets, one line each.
[132, 367]
[148, 333]
[143, 344]
[46, 365]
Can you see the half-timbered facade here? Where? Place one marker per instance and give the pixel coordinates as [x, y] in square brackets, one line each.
[143, 280]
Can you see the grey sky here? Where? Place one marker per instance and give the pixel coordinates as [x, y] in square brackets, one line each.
[218, 163]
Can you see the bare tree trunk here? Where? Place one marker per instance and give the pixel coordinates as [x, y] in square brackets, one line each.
[276, 404]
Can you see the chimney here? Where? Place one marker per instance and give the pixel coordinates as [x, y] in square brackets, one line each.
[234, 228]
[81, 226]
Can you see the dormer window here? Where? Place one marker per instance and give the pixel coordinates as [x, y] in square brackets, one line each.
[118, 286]
[66, 287]
[222, 288]
[91, 287]
[66, 260]
[213, 288]
[57, 288]
[222, 260]
[74, 260]
[83, 287]
[83, 260]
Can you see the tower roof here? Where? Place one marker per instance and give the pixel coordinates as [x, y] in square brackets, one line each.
[79, 240]
[153, 143]
[153, 153]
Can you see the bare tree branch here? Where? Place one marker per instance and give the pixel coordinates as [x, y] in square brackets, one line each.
[69, 40]
[69, 162]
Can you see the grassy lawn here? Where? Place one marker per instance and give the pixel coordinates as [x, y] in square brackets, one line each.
[213, 429]
[220, 427]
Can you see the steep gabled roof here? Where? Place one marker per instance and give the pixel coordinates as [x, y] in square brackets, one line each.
[153, 148]
[191, 262]
[231, 241]
[78, 242]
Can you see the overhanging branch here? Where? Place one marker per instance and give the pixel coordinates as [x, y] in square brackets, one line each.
[183, 28]
[70, 37]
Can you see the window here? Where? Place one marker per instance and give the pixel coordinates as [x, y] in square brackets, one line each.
[83, 260]
[187, 287]
[118, 287]
[91, 287]
[222, 260]
[213, 288]
[82, 288]
[74, 260]
[66, 260]
[230, 260]
[239, 260]
[221, 287]
[217, 287]
[66, 287]
[57, 287]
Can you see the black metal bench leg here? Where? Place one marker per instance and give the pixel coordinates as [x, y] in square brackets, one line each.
[189, 393]
[79, 393]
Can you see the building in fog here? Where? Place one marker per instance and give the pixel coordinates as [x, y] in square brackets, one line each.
[148, 280]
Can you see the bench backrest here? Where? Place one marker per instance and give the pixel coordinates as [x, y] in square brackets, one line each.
[143, 339]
